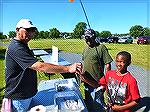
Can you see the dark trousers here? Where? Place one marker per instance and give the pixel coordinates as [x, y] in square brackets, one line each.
[91, 104]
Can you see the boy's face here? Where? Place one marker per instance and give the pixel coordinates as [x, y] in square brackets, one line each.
[122, 63]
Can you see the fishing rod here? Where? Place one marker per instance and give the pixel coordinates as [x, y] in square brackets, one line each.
[85, 14]
[83, 8]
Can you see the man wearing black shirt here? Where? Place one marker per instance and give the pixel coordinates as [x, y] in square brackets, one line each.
[21, 67]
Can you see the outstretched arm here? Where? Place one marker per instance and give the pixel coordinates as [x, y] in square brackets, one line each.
[51, 68]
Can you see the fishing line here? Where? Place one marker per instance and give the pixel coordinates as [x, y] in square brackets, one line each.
[85, 14]
[83, 8]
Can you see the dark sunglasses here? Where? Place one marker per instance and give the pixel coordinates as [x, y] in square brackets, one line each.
[30, 29]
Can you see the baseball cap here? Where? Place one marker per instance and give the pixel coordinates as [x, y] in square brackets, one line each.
[25, 23]
[89, 33]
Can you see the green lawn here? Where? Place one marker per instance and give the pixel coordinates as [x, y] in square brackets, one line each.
[68, 45]
[2, 82]
[140, 54]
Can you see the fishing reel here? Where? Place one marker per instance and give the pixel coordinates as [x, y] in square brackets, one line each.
[99, 98]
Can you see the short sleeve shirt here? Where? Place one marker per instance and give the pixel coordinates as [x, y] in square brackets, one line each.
[90, 59]
[122, 89]
[21, 81]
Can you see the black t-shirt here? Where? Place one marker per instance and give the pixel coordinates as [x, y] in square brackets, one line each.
[21, 81]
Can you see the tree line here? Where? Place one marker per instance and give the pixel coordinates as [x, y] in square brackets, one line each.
[135, 32]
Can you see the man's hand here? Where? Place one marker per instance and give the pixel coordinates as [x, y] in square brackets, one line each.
[75, 68]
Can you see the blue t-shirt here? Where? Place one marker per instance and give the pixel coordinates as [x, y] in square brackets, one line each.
[21, 81]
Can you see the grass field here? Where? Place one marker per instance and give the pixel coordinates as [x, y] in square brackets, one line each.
[68, 45]
[2, 82]
[140, 53]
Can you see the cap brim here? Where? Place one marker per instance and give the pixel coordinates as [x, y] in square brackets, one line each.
[31, 26]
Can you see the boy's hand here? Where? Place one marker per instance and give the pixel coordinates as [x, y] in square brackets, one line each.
[83, 78]
[115, 107]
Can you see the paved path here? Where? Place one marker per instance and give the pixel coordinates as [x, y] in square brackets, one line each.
[142, 76]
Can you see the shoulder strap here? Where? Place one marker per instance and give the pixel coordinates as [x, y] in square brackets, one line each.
[99, 61]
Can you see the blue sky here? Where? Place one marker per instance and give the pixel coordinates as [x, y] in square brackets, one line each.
[116, 16]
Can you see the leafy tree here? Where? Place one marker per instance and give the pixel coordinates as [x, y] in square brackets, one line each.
[116, 34]
[35, 36]
[1, 35]
[120, 35]
[105, 34]
[136, 31]
[146, 31]
[79, 30]
[54, 33]
[41, 35]
[46, 34]
[97, 33]
[12, 34]
[65, 35]
[4, 37]
[125, 34]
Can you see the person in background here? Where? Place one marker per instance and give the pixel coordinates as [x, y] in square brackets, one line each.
[96, 58]
[21, 67]
[121, 86]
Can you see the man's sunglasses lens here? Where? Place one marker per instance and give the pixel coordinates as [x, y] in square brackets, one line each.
[30, 29]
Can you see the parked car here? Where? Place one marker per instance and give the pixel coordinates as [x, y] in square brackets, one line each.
[125, 40]
[113, 39]
[143, 40]
[101, 39]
